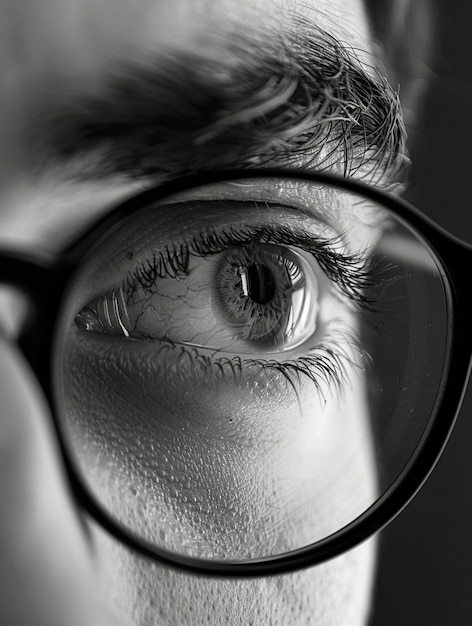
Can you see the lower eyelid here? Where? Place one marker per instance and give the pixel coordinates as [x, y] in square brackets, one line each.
[251, 411]
[323, 366]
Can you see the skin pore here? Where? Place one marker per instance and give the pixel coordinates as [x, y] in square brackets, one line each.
[55, 60]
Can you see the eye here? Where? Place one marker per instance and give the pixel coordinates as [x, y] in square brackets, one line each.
[257, 287]
[249, 298]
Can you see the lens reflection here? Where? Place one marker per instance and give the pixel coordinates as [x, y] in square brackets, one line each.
[242, 371]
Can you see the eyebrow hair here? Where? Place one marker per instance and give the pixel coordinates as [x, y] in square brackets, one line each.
[303, 101]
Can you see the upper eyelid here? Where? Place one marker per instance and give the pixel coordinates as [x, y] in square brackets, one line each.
[162, 227]
[160, 224]
[348, 271]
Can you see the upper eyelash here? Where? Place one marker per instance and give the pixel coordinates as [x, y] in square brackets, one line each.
[170, 262]
[352, 273]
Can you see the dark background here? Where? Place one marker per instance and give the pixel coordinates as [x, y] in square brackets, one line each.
[425, 567]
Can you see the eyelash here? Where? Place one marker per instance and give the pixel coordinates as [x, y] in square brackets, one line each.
[328, 363]
[350, 272]
[327, 368]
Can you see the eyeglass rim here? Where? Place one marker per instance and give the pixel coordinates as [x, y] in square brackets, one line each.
[31, 270]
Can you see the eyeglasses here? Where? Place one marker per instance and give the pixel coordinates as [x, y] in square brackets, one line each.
[250, 372]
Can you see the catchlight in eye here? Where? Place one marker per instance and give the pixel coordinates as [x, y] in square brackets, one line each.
[269, 294]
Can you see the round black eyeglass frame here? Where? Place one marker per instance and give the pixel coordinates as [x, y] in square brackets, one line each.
[44, 279]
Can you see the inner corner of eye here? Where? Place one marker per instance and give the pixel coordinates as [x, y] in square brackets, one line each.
[106, 314]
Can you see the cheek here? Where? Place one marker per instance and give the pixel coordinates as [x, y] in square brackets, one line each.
[143, 593]
[220, 467]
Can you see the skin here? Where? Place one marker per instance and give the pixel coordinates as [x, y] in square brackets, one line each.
[63, 578]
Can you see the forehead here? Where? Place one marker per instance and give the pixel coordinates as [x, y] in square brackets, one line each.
[89, 32]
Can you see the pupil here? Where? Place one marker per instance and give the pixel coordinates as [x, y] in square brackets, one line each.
[261, 283]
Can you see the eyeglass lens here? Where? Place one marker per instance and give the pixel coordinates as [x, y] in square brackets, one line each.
[243, 369]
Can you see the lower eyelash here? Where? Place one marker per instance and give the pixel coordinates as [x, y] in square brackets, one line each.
[328, 365]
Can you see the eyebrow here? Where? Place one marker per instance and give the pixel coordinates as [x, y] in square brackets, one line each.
[303, 101]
